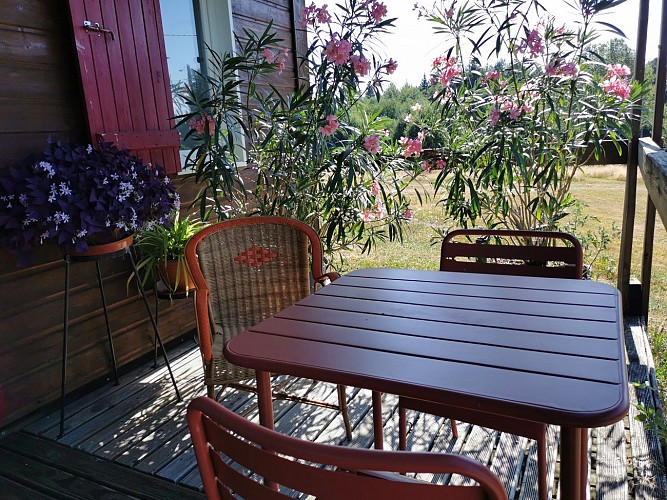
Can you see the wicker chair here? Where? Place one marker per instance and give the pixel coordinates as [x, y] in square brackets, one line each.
[232, 451]
[483, 256]
[244, 271]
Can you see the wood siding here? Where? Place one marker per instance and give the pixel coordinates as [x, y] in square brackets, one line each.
[42, 96]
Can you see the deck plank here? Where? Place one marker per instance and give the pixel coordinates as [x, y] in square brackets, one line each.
[12, 490]
[61, 470]
[647, 458]
[611, 480]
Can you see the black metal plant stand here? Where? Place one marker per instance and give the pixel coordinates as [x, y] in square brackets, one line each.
[72, 259]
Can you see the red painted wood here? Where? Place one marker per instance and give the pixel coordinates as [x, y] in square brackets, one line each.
[119, 84]
[559, 362]
[130, 66]
[143, 140]
[478, 334]
[124, 77]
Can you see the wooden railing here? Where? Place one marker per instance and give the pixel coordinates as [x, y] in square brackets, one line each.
[647, 154]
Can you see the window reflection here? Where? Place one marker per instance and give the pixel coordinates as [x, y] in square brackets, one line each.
[182, 47]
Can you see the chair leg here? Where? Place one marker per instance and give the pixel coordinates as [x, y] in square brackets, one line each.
[402, 429]
[210, 391]
[455, 430]
[542, 467]
[342, 404]
[378, 430]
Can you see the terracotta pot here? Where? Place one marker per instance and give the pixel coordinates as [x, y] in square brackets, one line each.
[106, 248]
[167, 272]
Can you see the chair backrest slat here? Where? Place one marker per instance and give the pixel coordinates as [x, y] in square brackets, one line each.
[325, 471]
[492, 257]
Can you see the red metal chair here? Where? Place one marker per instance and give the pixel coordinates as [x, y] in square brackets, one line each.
[244, 271]
[232, 452]
[491, 253]
[524, 253]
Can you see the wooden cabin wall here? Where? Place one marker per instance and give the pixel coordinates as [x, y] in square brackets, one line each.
[41, 96]
[254, 16]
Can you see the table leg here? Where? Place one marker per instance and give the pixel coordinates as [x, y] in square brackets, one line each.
[574, 464]
[264, 399]
[583, 460]
[265, 407]
[378, 434]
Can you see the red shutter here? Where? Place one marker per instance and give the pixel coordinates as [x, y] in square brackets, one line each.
[124, 77]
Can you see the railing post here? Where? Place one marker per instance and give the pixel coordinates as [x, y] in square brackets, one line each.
[658, 110]
[625, 258]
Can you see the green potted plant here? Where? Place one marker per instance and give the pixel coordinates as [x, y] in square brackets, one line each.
[161, 250]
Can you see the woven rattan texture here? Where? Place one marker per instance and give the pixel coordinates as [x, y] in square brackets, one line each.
[253, 272]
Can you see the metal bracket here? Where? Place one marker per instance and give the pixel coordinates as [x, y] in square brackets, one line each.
[91, 26]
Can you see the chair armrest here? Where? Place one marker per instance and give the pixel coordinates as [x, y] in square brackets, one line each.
[327, 278]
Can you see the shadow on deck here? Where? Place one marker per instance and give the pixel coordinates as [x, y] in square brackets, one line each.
[120, 432]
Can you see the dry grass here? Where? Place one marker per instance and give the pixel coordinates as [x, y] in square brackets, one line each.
[602, 190]
[613, 172]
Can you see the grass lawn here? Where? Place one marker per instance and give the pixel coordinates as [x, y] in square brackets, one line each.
[602, 190]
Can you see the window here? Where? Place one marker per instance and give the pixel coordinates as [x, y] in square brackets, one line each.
[189, 27]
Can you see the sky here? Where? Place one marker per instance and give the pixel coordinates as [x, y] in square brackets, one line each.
[417, 45]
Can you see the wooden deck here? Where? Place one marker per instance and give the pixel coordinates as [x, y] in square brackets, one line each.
[139, 427]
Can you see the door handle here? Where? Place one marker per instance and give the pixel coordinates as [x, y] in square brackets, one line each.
[91, 26]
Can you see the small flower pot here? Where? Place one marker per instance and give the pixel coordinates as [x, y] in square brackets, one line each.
[168, 272]
[105, 248]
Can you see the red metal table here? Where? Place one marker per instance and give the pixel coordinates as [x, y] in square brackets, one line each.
[543, 349]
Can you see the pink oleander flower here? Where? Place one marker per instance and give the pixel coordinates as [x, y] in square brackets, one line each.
[311, 14]
[416, 107]
[515, 113]
[322, 15]
[426, 166]
[307, 15]
[367, 215]
[570, 69]
[411, 146]
[534, 42]
[375, 187]
[268, 55]
[449, 13]
[338, 51]
[615, 82]
[200, 124]
[391, 66]
[372, 144]
[492, 75]
[560, 31]
[448, 67]
[618, 87]
[440, 163]
[378, 11]
[281, 65]
[331, 126]
[494, 115]
[619, 70]
[408, 214]
[557, 68]
[379, 209]
[361, 64]
[528, 107]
